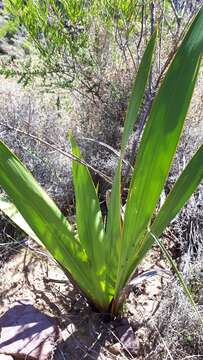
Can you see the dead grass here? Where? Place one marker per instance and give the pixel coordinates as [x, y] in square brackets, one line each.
[175, 331]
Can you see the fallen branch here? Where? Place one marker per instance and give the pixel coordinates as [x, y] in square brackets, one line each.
[54, 147]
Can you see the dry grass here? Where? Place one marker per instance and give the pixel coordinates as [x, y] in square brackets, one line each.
[175, 331]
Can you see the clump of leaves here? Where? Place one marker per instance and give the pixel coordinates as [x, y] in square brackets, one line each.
[101, 258]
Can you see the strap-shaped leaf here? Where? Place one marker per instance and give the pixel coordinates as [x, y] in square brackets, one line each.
[44, 218]
[180, 193]
[138, 90]
[9, 209]
[114, 227]
[178, 196]
[160, 138]
[114, 231]
[89, 222]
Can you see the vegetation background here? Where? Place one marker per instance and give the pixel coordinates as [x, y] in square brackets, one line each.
[70, 65]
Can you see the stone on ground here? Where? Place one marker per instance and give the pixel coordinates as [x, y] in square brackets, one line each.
[27, 333]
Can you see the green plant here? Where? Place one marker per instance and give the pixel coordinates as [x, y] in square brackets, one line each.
[72, 52]
[101, 258]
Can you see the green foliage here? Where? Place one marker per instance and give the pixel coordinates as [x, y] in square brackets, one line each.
[119, 13]
[58, 32]
[8, 28]
[101, 258]
[71, 50]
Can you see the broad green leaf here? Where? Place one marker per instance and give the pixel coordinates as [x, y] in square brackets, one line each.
[160, 140]
[138, 90]
[10, 210]
[114, 226]
[180, 193]
[89, 222]
[114, 231]
[45, 219]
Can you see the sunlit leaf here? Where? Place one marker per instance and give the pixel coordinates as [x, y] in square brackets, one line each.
[159, 142]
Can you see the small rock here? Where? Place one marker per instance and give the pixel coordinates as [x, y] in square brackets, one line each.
[28, 333]
[127, 339]
[115, 348]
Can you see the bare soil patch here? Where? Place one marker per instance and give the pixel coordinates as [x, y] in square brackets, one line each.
[32, 275]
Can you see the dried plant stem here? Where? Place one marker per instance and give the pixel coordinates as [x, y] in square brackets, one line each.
[56, 148]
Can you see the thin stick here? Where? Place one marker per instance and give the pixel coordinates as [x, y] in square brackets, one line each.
[65, 153]
[114, 151]
[123, 345]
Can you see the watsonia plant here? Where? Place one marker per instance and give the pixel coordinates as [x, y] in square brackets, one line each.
[101, 259]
